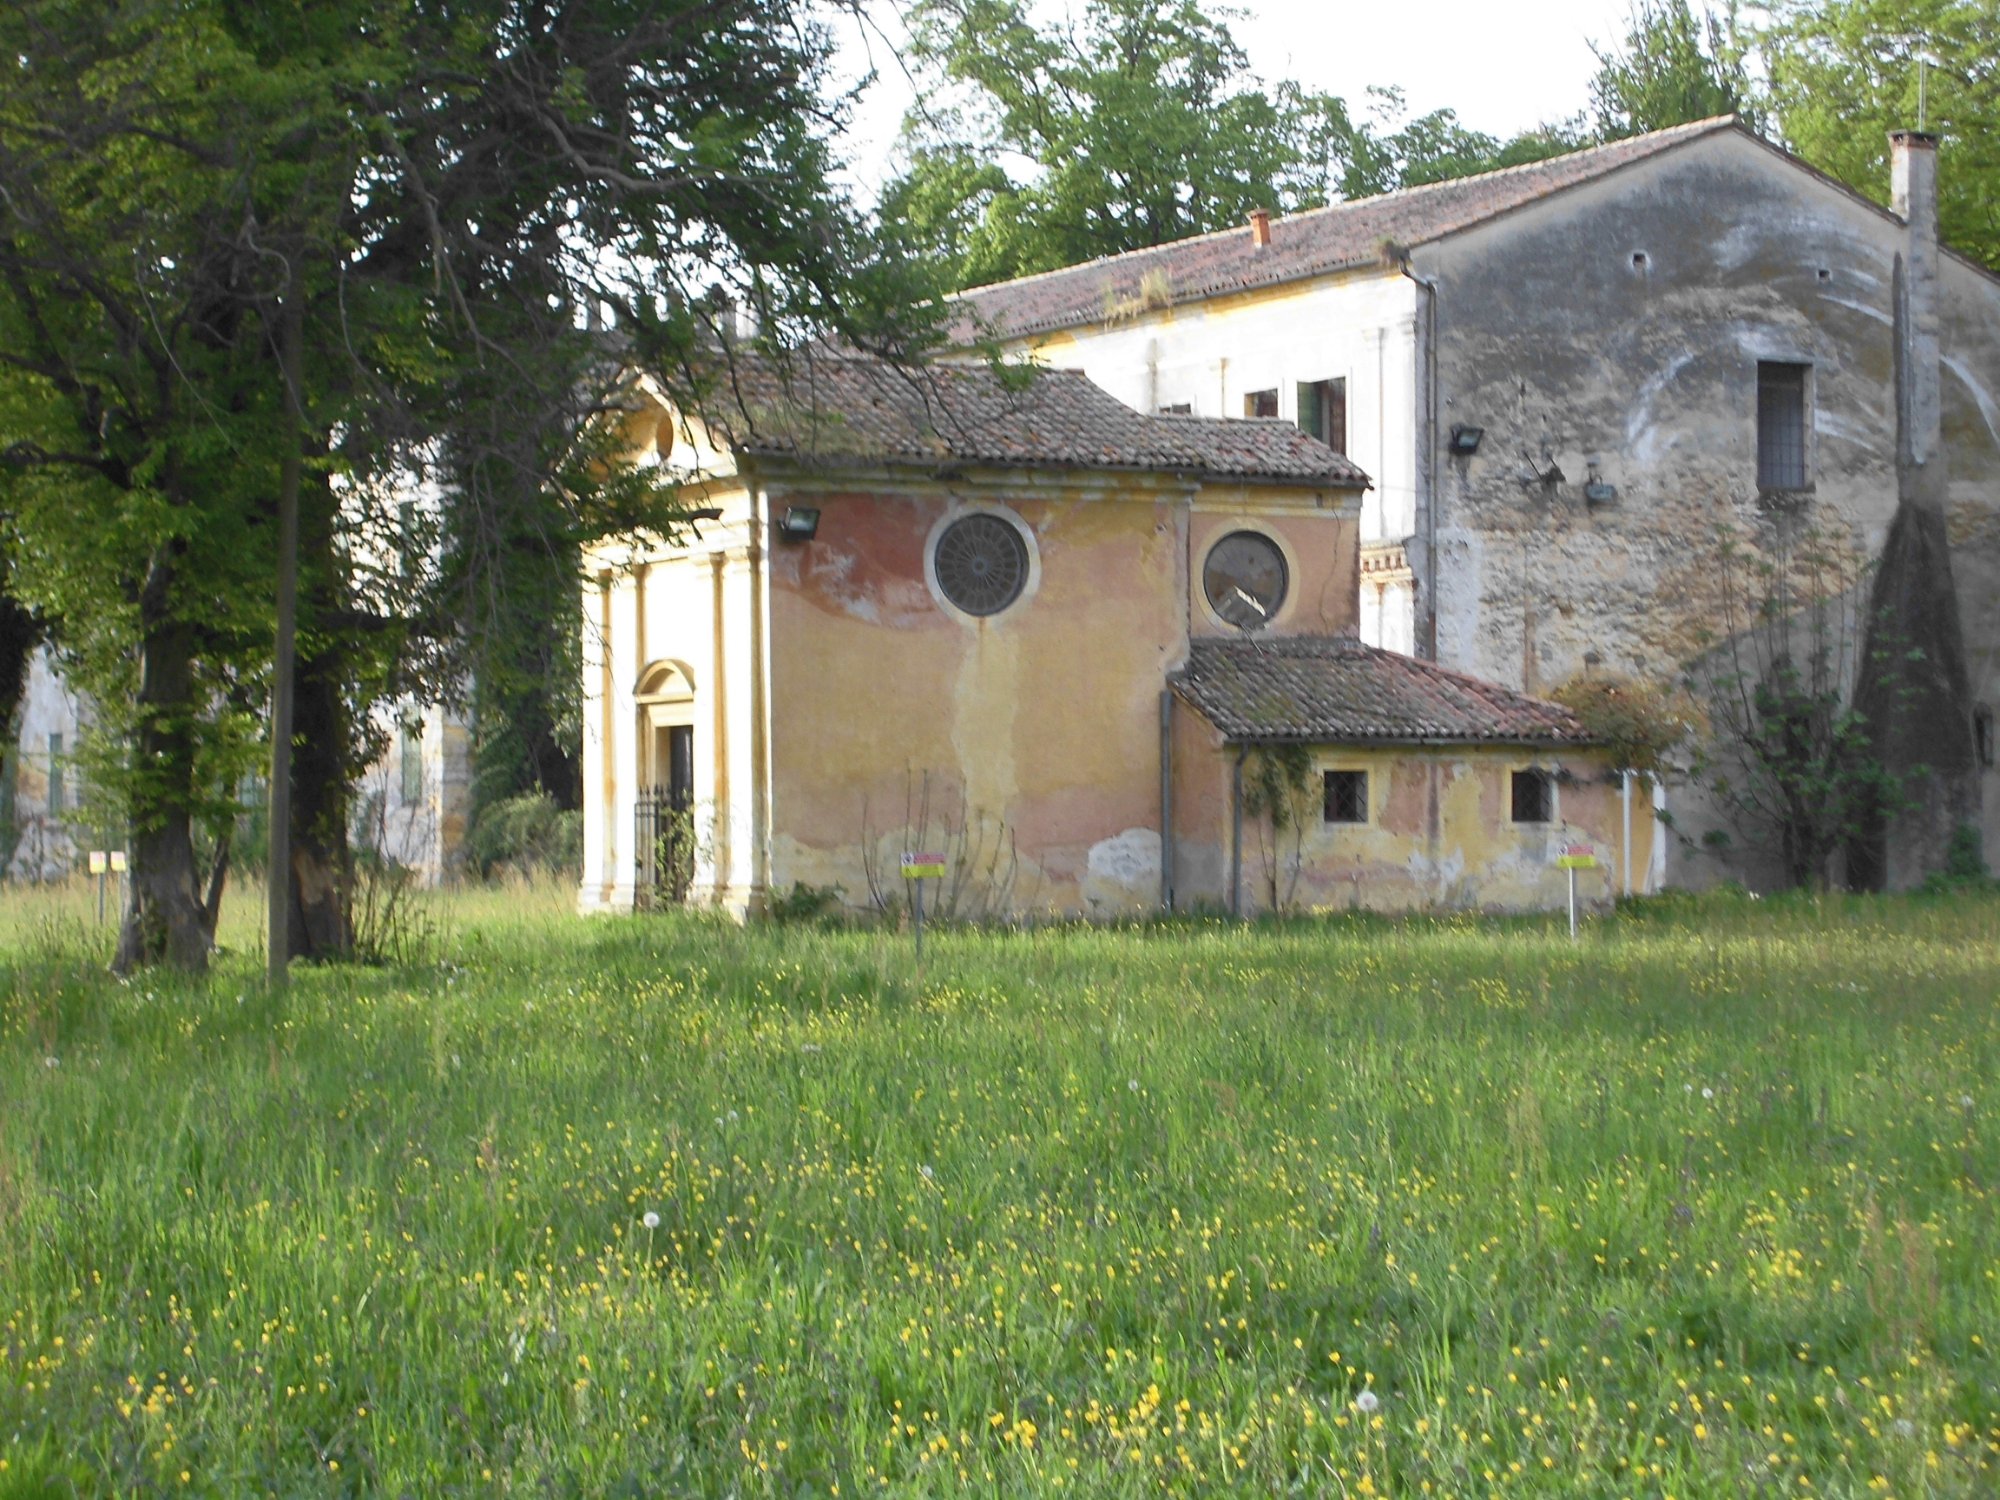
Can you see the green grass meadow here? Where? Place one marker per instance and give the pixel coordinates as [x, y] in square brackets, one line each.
[1701, 1205]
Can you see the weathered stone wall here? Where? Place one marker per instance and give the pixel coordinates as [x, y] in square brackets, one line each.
[1613, 333]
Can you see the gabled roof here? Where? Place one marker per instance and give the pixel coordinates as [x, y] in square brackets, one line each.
[1334, 690]
[826, 410]
[1340, 237]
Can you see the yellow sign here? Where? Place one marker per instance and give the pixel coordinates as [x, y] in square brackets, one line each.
[118, 861]
[922, 865]
[99, 862]
[1577, 857]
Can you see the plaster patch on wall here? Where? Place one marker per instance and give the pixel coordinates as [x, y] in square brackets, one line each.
[1641, 433]
[1130, 859]
[1988, 410]
[1864, 309]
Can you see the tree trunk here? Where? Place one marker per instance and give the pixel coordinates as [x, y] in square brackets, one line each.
[166, 920]
[322, 925]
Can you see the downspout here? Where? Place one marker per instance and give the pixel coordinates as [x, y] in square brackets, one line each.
[1236, 834]
[1625, 809]
[1426, 622]
[760, 708]
[1166, 799]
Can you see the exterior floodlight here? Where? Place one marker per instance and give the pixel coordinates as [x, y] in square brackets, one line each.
[1465, 440]
[799, 523]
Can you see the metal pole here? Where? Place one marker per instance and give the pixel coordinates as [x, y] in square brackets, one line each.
[1236, 835]
[1572, 903]
[917, 909]
[1625, 845]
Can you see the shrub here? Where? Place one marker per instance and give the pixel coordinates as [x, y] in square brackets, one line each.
[529, 834]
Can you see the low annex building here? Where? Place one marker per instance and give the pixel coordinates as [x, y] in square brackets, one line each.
[1013, 620]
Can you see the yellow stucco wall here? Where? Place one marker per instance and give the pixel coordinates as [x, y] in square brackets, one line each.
[1439, 832]
[1035, 730]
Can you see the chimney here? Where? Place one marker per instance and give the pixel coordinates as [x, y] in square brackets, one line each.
[1260, 227]
[1919, 418]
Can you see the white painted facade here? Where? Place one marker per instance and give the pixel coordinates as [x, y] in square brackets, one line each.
[1358, 326]
[43, 789]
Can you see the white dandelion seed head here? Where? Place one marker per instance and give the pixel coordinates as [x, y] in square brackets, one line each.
[926, 1172]
[1132, 1084]
[734, 1117]
[1367, 1401]
[1687, 1088]
[650, 1219]
[52, 1062]
[1708, 1093]
[1965, 1101]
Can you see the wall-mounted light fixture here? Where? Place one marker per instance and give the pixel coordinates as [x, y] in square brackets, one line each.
[1465, 440]
[1595, 490]
[799, 523]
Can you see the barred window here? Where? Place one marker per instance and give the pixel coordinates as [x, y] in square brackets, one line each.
[1781, 425]
[1347, 796]
[1534, 797]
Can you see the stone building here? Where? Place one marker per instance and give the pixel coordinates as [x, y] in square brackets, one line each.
[1054, 640]
[1570, 381]
[41, 791]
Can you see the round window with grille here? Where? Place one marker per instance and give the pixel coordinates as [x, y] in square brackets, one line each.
[1245, 578]
[981, 563]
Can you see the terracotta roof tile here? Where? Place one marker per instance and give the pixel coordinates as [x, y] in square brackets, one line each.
[1341, 236]
[1334, 690]
[829, 408]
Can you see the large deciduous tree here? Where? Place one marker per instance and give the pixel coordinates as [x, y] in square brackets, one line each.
[1844, 73]
[1137, 123]
[1676, 64]
[329, 249]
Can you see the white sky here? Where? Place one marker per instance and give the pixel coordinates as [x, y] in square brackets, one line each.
[1503, 65]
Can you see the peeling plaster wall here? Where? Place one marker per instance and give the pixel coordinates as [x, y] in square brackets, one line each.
[1622, 323]
[1360, 326]
[1439, 835]
[1034, 732]
[1036, 729]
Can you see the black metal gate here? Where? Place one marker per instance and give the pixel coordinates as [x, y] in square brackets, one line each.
[663, 831]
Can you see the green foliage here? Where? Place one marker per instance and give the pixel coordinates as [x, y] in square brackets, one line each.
[1610, 1179]
[1141, 122]
[1675, 66]
[527, 834]
[1641, 722]
[806, 904]
[1844, 73]
[1787, 752]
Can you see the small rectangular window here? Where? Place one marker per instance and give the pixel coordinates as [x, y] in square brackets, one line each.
[1178, 409]
[1534, 797]
[1323, 412]
[1781, 426]
[56, 787]
[411, 755]
[1346, 796]
[1260, 403]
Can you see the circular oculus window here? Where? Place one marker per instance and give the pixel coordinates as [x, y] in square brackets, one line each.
[981, 563]
[1245, 578]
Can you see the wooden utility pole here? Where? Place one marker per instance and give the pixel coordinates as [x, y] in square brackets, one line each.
[278, 874]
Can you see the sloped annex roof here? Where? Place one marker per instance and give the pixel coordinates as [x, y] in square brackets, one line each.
[1339, 237]
[824, 409]
[1334, 690]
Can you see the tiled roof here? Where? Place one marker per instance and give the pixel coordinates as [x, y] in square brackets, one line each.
[829, 408]
[1338, 237]
[1334, 690]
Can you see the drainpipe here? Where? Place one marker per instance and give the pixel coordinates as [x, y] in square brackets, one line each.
[1625, 844]
[1426, 621]
[1167, 799]
[1236, 834]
